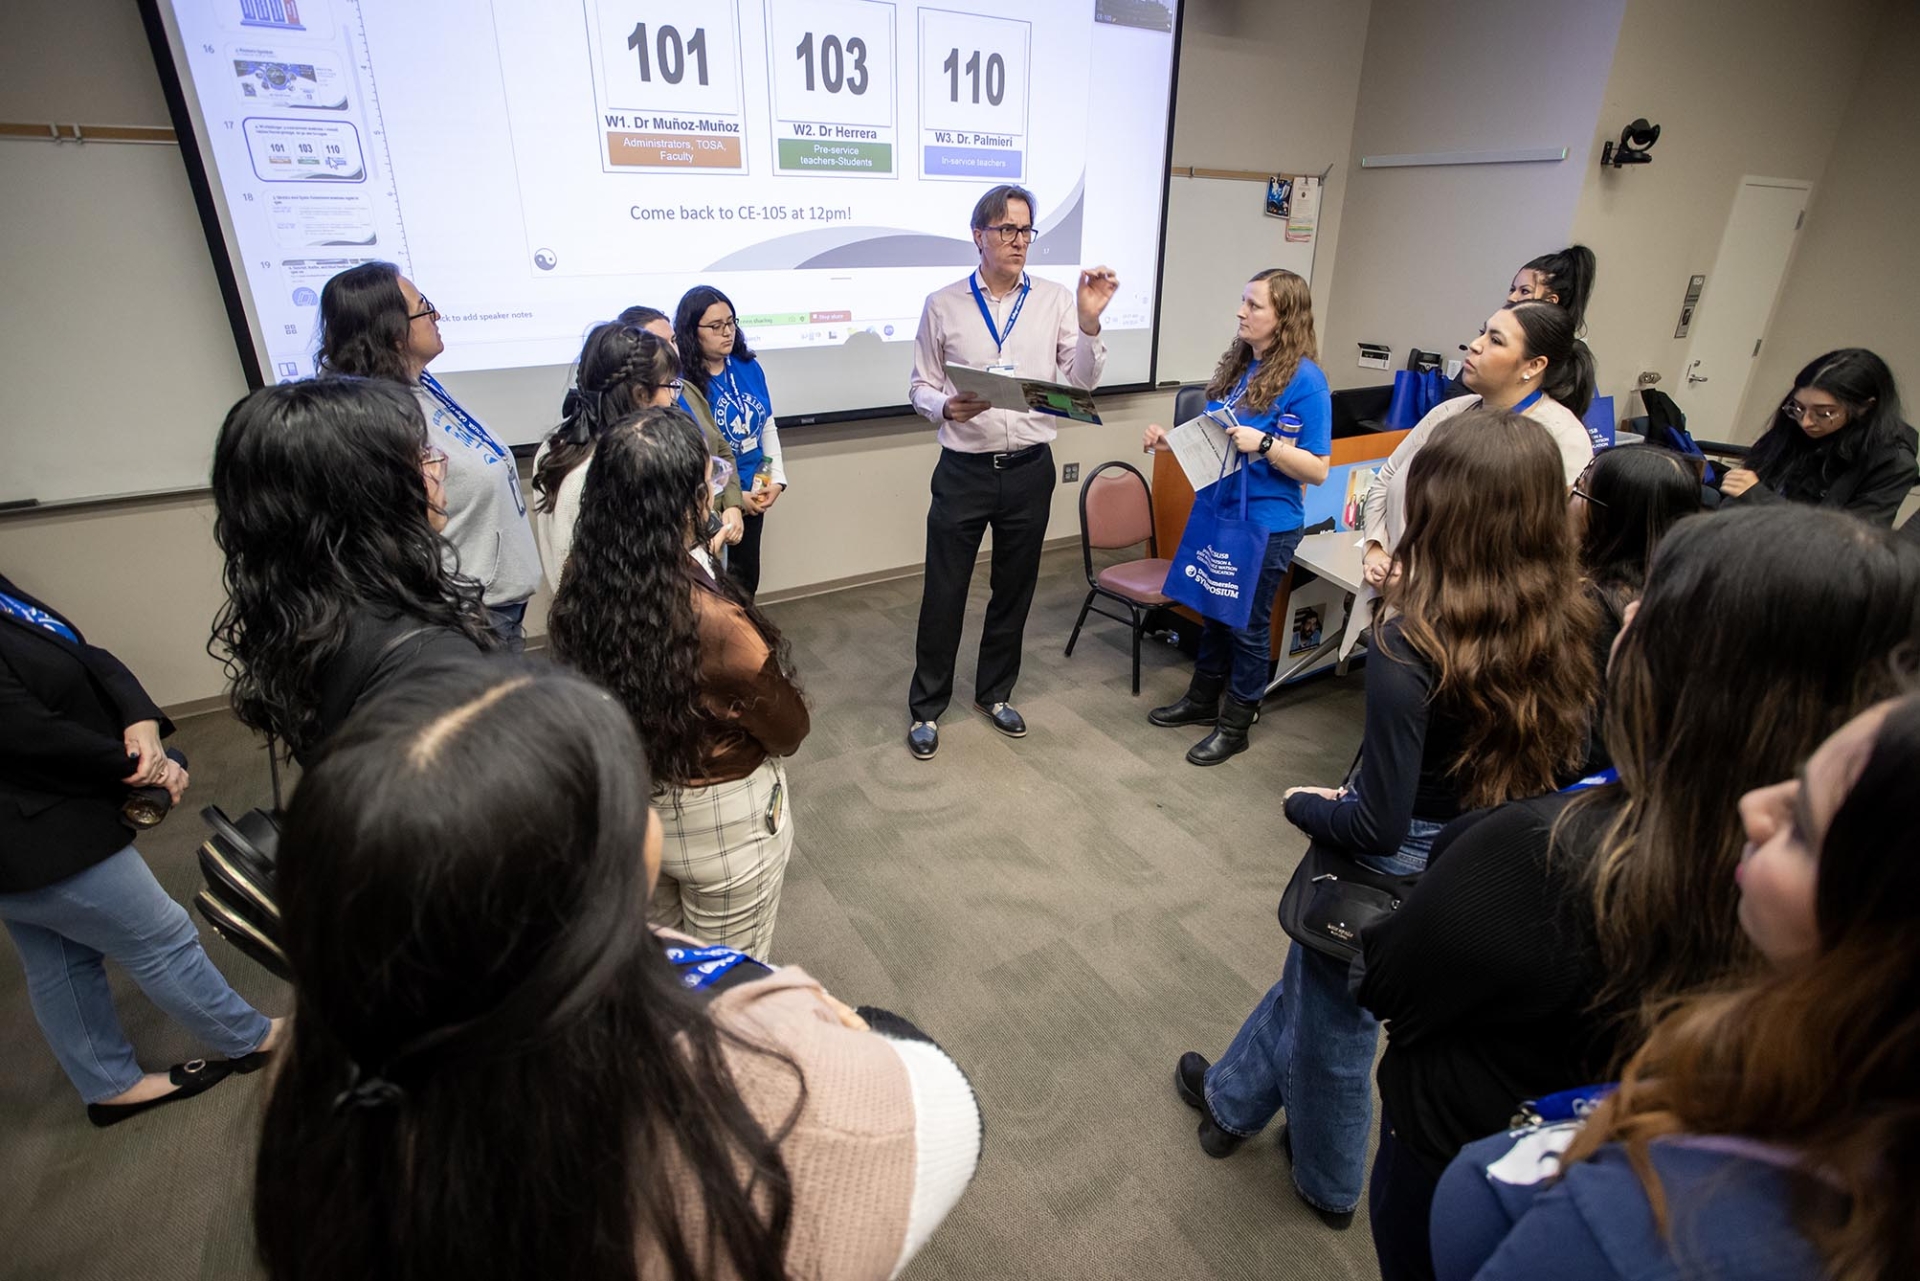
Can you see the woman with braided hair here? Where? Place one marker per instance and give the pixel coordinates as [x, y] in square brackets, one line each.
[622, 368]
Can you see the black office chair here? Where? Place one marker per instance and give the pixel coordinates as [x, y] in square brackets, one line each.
[1189, 403]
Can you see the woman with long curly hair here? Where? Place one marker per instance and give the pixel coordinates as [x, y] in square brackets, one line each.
[622, 368]
[703, 672]
[494, 1072]
[375, 324]
[1540, 948]
[1766, 1129]
[328, 499]
[1479, 690]
[1837, 440]
[1266, 384]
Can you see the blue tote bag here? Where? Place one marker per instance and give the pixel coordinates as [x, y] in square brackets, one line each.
[1220, 555]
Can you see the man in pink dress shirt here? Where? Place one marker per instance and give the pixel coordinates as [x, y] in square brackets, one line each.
[996, 466]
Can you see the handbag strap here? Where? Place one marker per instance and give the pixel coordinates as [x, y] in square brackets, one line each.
[1219, 494]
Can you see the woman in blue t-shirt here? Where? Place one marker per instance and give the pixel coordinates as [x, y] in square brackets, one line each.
[1268, 384]
[722, 372]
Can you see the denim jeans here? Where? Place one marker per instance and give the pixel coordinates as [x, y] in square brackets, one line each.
[1247, 651]
[509, 624]
[67, 930]
[1308, 1048]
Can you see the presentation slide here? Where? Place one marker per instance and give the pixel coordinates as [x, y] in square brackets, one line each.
[534, 166]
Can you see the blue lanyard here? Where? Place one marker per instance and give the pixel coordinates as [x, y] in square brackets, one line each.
[1604, 778]
[477, 436]
[467, 420]
[986, 313]
[1524, 405]
[1567, 1105]
[36, 617]
[702, 966]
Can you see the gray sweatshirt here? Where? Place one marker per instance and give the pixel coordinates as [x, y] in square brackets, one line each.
[486, 515]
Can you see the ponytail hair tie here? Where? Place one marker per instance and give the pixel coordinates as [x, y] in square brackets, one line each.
[366, 1090]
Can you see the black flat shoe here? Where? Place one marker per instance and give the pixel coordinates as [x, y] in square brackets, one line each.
[195, 1077]
[1004, 718]
[1190, 1083]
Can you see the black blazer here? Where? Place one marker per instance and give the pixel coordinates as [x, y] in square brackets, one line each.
[64, 709]
[1872, 489]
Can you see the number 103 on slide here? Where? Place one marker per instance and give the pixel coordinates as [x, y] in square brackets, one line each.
[973, 96]
[831, 65]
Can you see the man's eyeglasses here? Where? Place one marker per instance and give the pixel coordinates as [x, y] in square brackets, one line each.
[676, 387]
[434, 462]
[726, 326]
[1008, 233]
[1585, 496]
[1822, 414]
[426, 309]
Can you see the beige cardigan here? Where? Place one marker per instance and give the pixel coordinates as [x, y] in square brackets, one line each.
[1384, 517]
[873, 1137]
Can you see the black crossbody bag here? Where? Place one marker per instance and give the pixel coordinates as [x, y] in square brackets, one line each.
[1333, 896]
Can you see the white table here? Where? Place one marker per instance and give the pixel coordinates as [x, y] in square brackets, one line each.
[1335, 557]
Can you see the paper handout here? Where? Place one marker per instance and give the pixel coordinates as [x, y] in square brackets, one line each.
[1200, 446]
[1025, 395]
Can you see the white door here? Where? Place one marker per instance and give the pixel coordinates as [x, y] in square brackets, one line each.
[1736, 305]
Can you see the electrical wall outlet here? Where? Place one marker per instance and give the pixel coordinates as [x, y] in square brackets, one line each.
[1069, 473]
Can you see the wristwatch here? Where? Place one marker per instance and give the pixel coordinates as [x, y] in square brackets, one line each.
[1266, 443]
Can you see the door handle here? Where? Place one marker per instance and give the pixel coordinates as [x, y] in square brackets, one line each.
[1693, 377]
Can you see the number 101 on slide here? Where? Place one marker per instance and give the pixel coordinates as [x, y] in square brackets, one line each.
[831, 66]
[667, 82]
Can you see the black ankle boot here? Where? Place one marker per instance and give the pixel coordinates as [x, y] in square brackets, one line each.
[1200, 705]
[1229, 737]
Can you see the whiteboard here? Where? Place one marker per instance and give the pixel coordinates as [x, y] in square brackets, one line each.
[1218, 236]
[116, 360]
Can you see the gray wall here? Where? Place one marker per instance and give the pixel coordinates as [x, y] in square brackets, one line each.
[1739, 87]
[1430, 250]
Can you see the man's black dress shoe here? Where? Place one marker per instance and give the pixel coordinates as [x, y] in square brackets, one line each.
[923, 739]
[1004, 718]
[195, 1077]
[1190, 1083]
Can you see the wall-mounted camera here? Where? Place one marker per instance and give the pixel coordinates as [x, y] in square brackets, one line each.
[1636, 140]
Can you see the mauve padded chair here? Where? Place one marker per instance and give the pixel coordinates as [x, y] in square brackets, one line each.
[1116, 510]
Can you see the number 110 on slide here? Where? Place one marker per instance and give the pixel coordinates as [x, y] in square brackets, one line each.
[973, 96]
[831, 67]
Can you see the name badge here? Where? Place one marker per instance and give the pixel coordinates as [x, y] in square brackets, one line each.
[1005, 367]
[746, 444]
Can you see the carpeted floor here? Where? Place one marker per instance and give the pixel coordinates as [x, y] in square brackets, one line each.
[1066, 913]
